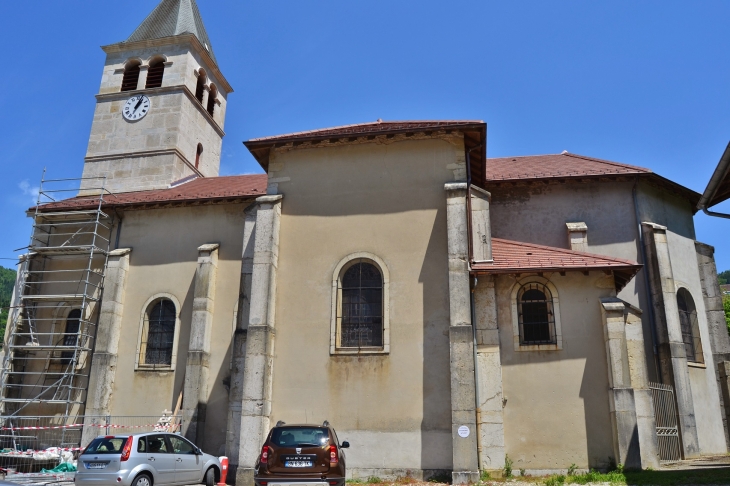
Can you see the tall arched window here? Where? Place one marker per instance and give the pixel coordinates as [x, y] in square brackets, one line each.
[155, 73]
[211, 99]
[131, 76]
[158, 334]
[200, 86]
[536, 315]
[690, 326]
[361, 306]
[71, 334]
[198, 155]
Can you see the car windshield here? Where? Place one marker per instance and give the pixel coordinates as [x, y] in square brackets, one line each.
[106, 445]
[299, 436]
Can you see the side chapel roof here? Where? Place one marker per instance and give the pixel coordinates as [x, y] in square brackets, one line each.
[198, 190]
[514, 257]
[718, 189]
[170, 18]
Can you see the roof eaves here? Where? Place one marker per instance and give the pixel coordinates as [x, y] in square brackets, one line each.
[719, 183]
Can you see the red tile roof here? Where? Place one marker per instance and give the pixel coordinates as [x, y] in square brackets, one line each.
[518, 257]
[555, 166]
[200, 189]
[370, 128]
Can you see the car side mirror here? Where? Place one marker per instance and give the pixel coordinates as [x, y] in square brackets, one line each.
[345, 445]
[198, 451]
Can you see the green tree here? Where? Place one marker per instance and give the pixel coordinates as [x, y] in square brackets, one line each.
[724, 277]
[726, 304]
[7, 282]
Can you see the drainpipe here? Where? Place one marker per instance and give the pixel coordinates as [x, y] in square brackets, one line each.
[473, 286]
[713, 213]
[647, 287]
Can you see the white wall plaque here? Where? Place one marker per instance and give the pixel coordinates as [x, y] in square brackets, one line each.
[463, 431]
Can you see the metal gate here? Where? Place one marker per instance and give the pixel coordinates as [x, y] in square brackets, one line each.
[667, 431]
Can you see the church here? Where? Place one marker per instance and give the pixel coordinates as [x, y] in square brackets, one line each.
[446, 312]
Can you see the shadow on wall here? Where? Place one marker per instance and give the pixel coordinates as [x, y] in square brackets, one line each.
[436, 447]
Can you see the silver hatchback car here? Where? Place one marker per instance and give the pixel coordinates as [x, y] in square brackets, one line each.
[149, 459]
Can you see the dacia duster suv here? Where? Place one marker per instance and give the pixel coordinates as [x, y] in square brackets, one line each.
[295, 455]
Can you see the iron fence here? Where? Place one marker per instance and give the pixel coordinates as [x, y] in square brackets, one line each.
[30, 444]
[667, 430]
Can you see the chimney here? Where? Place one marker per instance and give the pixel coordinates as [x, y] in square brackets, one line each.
[578, 236]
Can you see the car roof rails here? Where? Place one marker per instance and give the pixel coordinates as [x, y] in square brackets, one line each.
[325, 423]
[280, 423]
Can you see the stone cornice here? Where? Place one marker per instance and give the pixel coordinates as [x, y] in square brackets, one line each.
[166, 41]
[120, 95]
[144, 153]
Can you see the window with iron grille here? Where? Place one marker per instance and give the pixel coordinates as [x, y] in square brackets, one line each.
[131, 76]
[158, 334]
[690, 326]
[155, 73]
[71, 335]
[360, 314]
[536, 315]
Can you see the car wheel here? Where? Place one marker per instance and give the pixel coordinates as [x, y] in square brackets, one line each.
[209, 478]
[142, 480]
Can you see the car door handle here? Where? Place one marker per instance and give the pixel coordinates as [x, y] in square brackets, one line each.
[178, 460]
[150, 458]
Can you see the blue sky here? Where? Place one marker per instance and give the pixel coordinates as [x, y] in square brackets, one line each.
[644, 83]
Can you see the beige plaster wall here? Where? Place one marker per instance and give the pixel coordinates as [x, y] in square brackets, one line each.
[556, 408]
[388, 200]
[703, 378]
[164, 254]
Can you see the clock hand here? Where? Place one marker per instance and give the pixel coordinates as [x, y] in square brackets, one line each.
[138, 103]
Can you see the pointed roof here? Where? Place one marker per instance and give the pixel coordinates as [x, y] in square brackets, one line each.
[518, 257]
[170, 18]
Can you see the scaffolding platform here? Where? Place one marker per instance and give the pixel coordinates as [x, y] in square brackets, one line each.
[56, 303]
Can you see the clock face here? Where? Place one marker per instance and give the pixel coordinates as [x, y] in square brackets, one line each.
[136, 107]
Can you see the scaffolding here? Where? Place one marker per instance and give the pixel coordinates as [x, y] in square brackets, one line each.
[52, 324]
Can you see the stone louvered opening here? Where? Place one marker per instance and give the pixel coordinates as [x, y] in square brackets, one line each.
[211, 99]
[155, 73]
[131, 77]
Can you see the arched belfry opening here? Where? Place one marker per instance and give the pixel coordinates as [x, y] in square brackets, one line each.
[200, 86]
[155, 73]
[131, 76]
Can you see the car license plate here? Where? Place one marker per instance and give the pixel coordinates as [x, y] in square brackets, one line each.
[298, 464]
[95, 465]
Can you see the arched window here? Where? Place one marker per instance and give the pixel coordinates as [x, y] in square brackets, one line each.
[690, 327]
[200, 87]
[536, 316]
[198, 155]
[131, 76]
[155, 73]
[158, 334]
[71, 334]
[211, 98]
[361, 306]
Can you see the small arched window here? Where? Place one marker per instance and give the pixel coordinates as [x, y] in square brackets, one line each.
[690, 326]
[361, 306]
[131, 76]
[158, 334]
[71, 334]
[536, 315]
[155, 73]
[200, 87]
[211, 99]
[198, 155]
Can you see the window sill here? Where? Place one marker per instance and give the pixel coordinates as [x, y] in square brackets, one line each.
[360, 352]
[538, 347]
[692, 364]
[159, 369]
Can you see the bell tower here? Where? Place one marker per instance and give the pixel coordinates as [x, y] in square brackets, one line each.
[161, 107]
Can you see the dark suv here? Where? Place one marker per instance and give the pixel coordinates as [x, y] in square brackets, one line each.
[298, 454]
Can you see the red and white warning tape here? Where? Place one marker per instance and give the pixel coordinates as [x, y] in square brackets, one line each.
[101, 426]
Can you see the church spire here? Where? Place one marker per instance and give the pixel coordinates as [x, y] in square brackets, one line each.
[173, 17]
